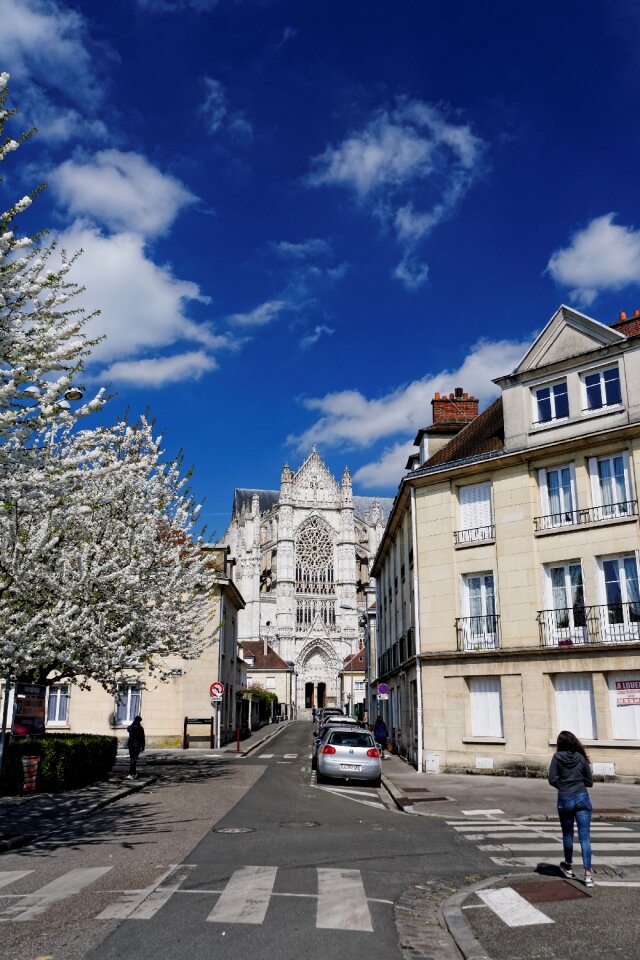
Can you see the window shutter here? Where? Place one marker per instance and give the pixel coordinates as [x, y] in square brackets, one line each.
[596, 494]
[486, 707]
[475, 506]
[544, 492]
[574, 705]
[627, 475]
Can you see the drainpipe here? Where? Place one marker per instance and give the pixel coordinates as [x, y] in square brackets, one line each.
[416, 620]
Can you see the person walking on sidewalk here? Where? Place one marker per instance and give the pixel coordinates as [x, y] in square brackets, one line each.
[570, 773]
[380, 732]
[135, 745]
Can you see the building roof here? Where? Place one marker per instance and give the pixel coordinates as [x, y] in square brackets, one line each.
[262, 661]
[485, 434]
[355, 661]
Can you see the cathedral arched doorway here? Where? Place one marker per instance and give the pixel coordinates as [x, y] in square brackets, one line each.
[322, 692]
[308, 696]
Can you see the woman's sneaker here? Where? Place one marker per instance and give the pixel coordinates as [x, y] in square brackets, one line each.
[588, 880]
[567, 871]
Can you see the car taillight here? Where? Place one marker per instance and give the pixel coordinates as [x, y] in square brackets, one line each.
[373, 752]
[329, 749]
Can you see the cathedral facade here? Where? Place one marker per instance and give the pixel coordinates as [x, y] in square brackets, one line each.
[302, 555]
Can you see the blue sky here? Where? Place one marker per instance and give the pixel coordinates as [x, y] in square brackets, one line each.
[301, 219]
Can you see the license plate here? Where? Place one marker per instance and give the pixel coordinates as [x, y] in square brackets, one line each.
[349, 766]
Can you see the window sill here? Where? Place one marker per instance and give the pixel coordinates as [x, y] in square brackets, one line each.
[617, 744]
[53, 725]
[569, 421]
[487, 541]
[484, 740]
[569, 527]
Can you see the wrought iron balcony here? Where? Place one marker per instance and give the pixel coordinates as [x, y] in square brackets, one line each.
[609, 511]
[475, 535]
[478, 633]
[580, 626]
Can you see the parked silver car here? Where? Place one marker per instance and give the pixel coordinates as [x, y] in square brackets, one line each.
[332, 723]
[349, 754]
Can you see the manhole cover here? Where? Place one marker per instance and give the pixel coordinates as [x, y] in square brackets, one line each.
[548, 891]
[300, 823]
[234, 830]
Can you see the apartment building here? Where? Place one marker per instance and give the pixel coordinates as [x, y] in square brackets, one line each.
[508, 592]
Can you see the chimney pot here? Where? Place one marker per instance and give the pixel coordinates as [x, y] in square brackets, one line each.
[465, 396]
[636, 313]
[436, 396]
[450, 396]
[459, 393]
[623, 315]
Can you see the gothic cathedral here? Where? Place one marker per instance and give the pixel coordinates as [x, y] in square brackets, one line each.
[302, 565]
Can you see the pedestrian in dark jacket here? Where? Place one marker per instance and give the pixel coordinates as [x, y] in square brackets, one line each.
[135, 745]
[380, 731]
[570, 773]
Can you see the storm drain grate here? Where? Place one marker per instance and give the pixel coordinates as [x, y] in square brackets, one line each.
[234, 830]
[300, 823]
[548, 891]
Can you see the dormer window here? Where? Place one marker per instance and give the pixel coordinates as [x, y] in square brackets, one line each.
[602, 388]
[551, 402]
[249, 660]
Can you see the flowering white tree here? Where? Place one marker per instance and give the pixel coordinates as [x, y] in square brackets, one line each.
[100, 575]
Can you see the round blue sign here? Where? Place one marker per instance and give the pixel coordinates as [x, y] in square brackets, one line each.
[383, 688]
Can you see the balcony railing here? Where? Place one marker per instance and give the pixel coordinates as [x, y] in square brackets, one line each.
[609, 511]
[478, 633]
[582, 626]
[475, 535]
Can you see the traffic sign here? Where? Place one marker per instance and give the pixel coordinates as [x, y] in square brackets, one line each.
[383, 696]
[215, 701]
[216, 689]
[383, 688]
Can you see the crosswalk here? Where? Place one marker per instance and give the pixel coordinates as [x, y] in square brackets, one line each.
[517, 843]
[340, 899]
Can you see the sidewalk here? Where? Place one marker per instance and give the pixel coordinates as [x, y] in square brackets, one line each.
[453, 795]
[24, 819]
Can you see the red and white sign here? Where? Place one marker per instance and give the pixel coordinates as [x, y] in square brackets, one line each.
[627, 693]
[216, 690]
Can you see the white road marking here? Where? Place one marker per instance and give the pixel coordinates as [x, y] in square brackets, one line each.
[33, 904]
[291, 756]
[366, 803]
[513, 909]
[550, 848]
[363, 793]
[479, 813]
[246, 896]
[10, 876]
[265, 756]
[516, 861]
[144, 904]
[544, 836]
[342, 904]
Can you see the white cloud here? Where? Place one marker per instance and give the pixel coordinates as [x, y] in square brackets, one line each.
[388, 470]
[602, 256]
[218, 115]
[403, 156]
[313, 247]
[320, 330]
[349, 419]
[122, 190]
[143, 306]
[160, 371]
[261, 315]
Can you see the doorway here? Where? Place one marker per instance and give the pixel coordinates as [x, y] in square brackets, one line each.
[321, 694]
[308, 696]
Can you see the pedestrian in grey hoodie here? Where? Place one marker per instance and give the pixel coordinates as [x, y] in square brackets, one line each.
[570, 773]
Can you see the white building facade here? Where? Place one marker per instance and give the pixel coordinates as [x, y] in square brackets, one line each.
[302, 558]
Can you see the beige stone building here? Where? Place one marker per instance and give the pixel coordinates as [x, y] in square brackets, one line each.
[164, 706]
[353, 685]
[269, 671]
[507, 578]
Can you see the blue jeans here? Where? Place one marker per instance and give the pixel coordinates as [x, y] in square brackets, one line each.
[576, 807]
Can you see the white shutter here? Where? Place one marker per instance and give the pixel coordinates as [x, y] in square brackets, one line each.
[486, 707]
[627, 475]
[544, 493]
[625, 716]
[575, 708]
[596, 494]
[475, 506]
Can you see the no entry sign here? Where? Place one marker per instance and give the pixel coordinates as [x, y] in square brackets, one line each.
[216, 690]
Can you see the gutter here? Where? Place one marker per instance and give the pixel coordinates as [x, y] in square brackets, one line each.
[416, 614]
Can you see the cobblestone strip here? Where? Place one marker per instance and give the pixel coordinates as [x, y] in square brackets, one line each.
[422, 933]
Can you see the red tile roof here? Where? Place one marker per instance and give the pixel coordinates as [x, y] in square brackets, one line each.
[354, 661]
[483, 435]
[255, 649]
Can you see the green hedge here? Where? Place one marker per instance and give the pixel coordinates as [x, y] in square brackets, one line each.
[67, 760]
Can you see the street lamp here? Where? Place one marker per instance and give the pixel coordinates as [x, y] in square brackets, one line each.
[73, 393]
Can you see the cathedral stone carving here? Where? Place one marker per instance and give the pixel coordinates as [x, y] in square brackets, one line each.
[303, 554]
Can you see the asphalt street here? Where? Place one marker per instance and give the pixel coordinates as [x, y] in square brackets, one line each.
[229, 856]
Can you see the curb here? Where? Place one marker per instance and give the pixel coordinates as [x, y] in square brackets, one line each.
[404, 804]
[261, 743]
[464, 937]
[15, 843]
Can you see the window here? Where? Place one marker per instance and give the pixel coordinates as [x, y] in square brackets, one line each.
[486, 707]
[565, 619]
[476, 519]
[557, 496]
[58, 704]
[359, 685]
[620, 616]
[575, 708]
[551, 403]
[249, 660]
[127, 703]
[479, 624]
[271, 683]
[611, 486]
[602, 388]
[624, 695]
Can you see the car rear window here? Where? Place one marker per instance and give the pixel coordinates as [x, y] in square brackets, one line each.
[351, 738]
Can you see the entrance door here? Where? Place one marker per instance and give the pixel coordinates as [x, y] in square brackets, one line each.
[308, 696]
[322, 687]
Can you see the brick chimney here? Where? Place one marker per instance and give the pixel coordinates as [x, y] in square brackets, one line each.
[629, 326]
[456, 408]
